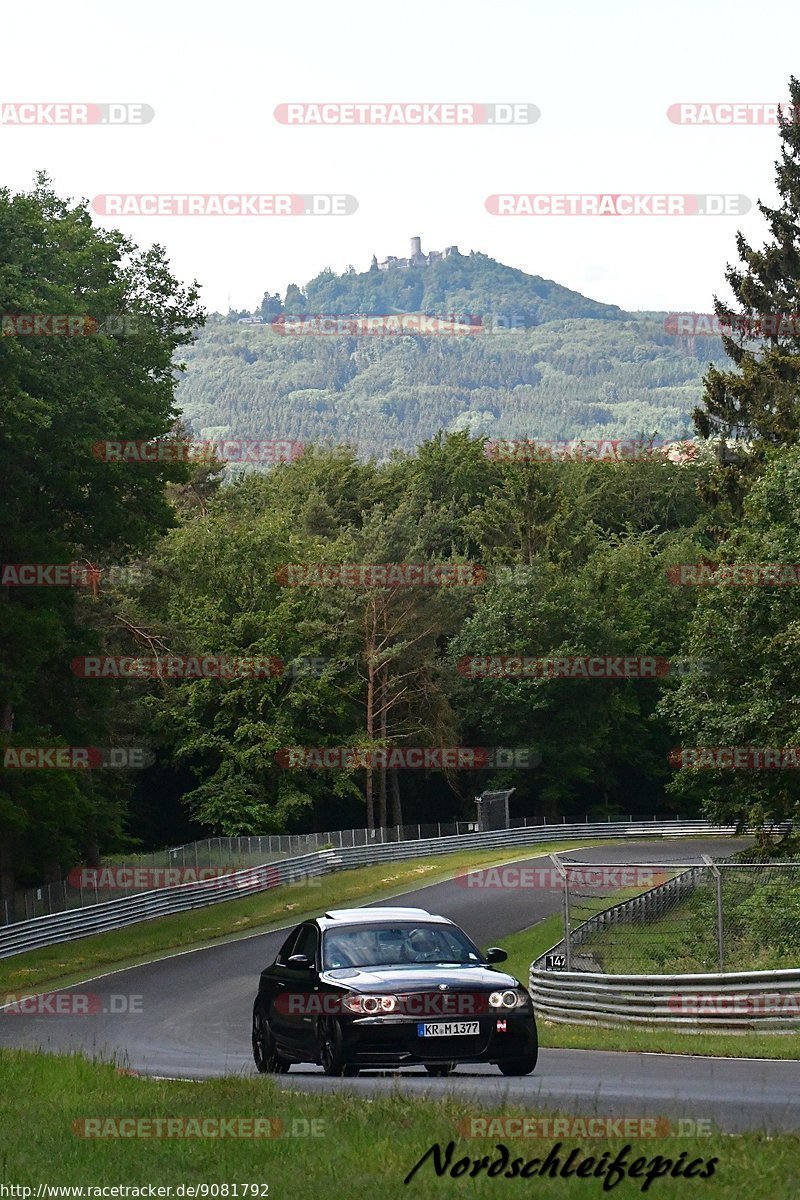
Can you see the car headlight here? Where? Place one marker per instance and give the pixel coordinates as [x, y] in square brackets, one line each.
[508, 998]
[370, 1006]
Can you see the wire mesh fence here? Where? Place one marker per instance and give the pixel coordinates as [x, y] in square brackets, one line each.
[657, 918]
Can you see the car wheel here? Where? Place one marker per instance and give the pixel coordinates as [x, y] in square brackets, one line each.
[265, 1052]
[518, 1066]
[331, 1050]
[438, 1069]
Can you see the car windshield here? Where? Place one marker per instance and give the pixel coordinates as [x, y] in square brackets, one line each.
[396, 945]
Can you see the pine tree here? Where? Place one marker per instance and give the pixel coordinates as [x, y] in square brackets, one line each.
[758, 400]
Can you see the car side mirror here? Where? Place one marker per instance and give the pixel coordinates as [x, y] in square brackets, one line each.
[495, 955]
[299, 962]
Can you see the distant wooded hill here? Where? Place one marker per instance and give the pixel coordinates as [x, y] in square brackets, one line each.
[549, 363]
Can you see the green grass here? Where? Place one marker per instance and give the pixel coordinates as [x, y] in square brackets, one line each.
[364, 1148]
[69, 962]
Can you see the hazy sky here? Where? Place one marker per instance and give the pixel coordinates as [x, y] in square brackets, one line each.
[602, 72]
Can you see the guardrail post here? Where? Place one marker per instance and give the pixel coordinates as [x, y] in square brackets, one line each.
[567, 926]
[720, 931]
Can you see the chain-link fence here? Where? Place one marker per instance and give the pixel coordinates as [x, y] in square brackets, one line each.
[657, 918]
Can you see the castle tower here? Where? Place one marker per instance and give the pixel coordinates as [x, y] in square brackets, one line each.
[416, 248]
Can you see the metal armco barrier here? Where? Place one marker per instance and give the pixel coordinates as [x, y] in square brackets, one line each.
[733, 1001]
[145, 906]
[710, 1002]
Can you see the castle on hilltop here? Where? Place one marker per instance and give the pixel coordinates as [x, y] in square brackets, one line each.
[416, 259]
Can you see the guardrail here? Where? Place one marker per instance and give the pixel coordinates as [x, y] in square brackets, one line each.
[146, 906]
[730, 1001]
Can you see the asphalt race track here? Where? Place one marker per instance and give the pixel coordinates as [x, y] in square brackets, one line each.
[194, 1009]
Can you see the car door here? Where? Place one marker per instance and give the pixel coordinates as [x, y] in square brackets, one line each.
[297, 991]
[274, 982]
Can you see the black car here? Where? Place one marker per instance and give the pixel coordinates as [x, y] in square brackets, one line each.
[390, 987]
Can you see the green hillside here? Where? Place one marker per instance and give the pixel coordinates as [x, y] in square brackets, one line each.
[548, 363]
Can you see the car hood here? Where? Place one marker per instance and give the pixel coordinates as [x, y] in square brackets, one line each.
[417, 978]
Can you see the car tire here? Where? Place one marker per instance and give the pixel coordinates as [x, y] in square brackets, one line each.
[518, 1066]
[265, 1052]
[440, 1069]
[331, 1050]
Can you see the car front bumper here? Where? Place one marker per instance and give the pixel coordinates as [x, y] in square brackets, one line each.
[395, 1041]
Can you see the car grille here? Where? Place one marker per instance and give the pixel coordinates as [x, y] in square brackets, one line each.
[453, 1005]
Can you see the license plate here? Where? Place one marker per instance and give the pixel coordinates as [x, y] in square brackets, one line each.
[449, 1029]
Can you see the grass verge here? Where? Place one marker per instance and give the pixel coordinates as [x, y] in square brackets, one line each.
[364, 1146]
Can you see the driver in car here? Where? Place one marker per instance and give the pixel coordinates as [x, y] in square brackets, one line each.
[422, 946]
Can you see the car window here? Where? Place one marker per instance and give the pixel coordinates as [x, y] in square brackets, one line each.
[306, 942]
[288, 947]
[396, 945]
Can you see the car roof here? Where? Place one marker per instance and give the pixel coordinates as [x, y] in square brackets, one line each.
[368, 916]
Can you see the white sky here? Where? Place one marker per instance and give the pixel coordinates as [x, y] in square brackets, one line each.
[603, 73]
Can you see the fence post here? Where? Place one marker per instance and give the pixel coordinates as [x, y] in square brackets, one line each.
[567, 926]
[720, 932]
